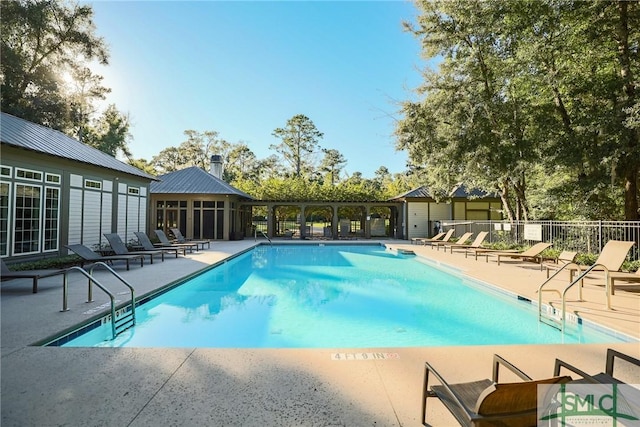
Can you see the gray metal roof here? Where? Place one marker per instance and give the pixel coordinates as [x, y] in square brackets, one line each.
[420, 192]
[460, 191]
[21, 133]
[193, 180]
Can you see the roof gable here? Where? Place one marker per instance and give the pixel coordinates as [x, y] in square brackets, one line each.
[194, 180]
[21, 133]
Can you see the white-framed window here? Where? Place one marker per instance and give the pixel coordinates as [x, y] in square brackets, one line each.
[51, 222]
[5, 171]
[5, 197]
[134, 191]
[95, 185]
[52, 178]
[28, 174]
[27, 218]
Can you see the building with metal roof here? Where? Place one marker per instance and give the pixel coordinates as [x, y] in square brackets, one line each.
[200, 204]
[55, 191]
[425, 213]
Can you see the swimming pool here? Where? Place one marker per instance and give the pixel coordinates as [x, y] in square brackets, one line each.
[332, 296]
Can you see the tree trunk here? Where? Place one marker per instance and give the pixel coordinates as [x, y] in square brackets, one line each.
[504, 196]
[630, 162]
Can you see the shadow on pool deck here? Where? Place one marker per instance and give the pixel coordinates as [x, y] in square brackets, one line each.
[255, 387]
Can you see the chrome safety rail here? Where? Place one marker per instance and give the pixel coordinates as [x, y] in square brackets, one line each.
[578, 279]
[265, 236]
[128, 320]
[571, 265]
[125, 321]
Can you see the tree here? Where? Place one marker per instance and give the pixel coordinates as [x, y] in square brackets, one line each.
[41, 40]
[195, 151]
[529, 84]
[241, 163]
[110, 133]
[299, 139]
[80, 93]
[332, 163]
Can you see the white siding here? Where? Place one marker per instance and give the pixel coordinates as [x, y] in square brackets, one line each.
[142, 222]
[91, 219]
[75, 180]
[75, 216]
[133, 213]
[122, 216]
[418, 225]
[107, 209]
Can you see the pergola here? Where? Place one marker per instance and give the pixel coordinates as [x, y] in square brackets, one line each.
[395, 218]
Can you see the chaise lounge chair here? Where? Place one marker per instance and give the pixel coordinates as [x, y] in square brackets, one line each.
[147, 245]
[476, 244]
[610, 261]
[462, 240]
[164, 241]
[120, 248]
[565, 257]
[29, 274]
[416, 240]
[488, 402]
[181, 239]
[88, 255]
[532, 253]
[444, 238]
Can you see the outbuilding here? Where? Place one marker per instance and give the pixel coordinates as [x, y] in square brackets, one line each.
[55, 190]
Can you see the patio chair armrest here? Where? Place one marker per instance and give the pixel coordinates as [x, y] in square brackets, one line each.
[611, 356]
[499, 360]
[559, 364]
[427, 393]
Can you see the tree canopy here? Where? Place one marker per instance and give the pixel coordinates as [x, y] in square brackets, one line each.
[46, 46]
[533, 99]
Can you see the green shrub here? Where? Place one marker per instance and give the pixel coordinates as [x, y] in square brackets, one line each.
[586, 259]
[47, 263]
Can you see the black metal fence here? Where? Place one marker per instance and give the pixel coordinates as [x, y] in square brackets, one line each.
[580, 236]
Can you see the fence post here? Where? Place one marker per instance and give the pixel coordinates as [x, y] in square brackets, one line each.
[600, 235]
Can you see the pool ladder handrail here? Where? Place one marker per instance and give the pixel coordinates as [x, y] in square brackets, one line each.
[264, 234]
[117, 325]
[561, 294]
[578, 279]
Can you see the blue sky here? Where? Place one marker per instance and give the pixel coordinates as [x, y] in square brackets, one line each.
[244, 68]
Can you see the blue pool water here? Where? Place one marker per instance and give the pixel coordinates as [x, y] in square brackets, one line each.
[328, 296]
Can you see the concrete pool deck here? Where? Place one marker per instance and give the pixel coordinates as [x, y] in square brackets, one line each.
[43, 386]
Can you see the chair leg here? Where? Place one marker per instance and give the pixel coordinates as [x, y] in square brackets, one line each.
[35, 285]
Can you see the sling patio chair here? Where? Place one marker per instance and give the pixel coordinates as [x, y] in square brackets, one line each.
[487, 402]
[164, 241]
[559, 262]
[416, 240]
[88, 255]
[610, 261]
[444, 243]
[29, 274]
[477, 243]
[533, 253]
[181, 239]
[147, 245]
[444, 238]
[120, 248]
